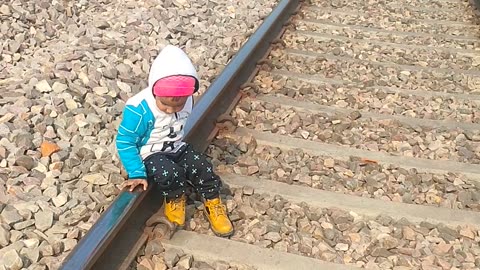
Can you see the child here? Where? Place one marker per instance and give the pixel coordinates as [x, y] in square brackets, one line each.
[150, 146]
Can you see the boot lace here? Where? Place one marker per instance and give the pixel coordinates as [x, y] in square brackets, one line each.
[178, 203]
[218, 210]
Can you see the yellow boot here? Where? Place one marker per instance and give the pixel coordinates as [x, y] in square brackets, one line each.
[216, 213]
[175, 210]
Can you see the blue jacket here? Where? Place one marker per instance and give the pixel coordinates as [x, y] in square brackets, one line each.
[144, 129]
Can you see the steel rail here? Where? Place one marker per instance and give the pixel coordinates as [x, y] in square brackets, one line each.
[476, 3]
[109, 240]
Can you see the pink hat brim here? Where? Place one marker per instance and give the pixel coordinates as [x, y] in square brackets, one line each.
[174, 86]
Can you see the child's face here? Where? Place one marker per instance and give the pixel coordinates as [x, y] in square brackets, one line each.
[171, 104]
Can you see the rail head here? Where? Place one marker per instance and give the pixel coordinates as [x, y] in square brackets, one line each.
[103, 247]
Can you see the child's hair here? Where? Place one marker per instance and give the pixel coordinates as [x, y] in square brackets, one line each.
[172, 101]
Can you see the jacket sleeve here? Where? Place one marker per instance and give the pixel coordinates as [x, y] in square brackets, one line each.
[128, 140]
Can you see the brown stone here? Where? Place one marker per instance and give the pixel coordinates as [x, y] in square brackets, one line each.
[48, 148]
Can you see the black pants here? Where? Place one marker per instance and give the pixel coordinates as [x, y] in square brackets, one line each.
[170, 172]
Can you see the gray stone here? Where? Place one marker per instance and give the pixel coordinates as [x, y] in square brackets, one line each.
[57, 247]
[31, 243]
[124, 87]
[51, 192]
[26, 162]
[246, 212]
[109, 190]
[33, 254]
[380, 252]
[12, 260]
[69, 244]
[101, 24]
[51, 262]
[61, 155]
[384, 220]
[235, 217]
[110, 73]
[124, 69]
[447, 233]
[273, 236]
[221, 265]
[18, 245]
[465, 197]
[372, 182]
[14, 46]
[185, 261]
[3, 152]
[79, 210]
[43, 220]
[43, 86]
[389, 242]
[5, 10]
[110, 168]
[272, 226]
[408, 233]
[46, 250]
[171, 257]
[341, 247]
[60, 200]
[355, 115]
[329, 163]
[154, 247]
[71, 105]
[10, 215]
[467, 232]
[329, 233]
[4, 236]
[15, 236]
[96, 179]
[427, 225]
[203, 266]
[248, 191]
[73, 233]
[85, 153]
[24, 224]
[441, 249]
[145, 264]
[59, 87]
[341, 217]
[328, 256]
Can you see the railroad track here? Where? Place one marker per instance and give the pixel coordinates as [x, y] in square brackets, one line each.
[353, 141]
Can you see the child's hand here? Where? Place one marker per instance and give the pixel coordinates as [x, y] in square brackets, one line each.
[133, 183]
